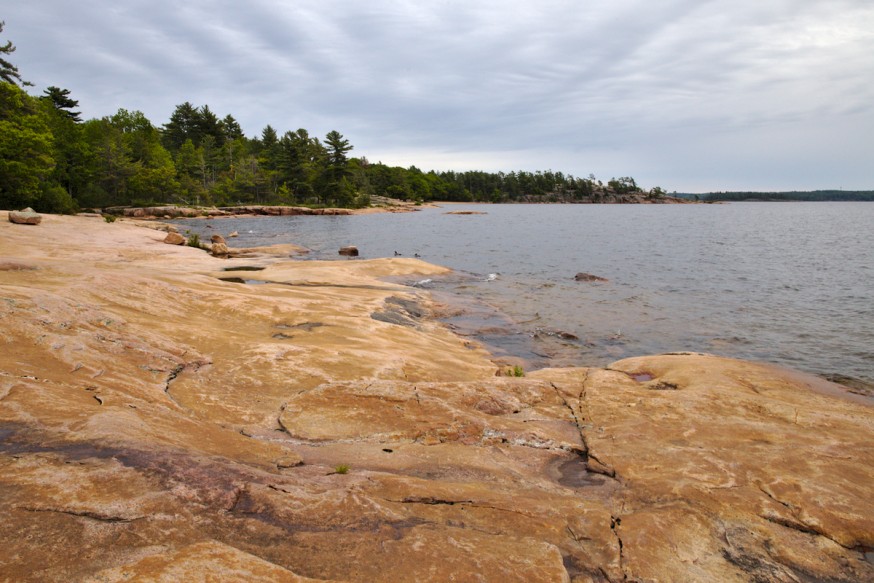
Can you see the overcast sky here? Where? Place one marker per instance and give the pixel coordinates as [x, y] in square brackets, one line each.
[691, 95]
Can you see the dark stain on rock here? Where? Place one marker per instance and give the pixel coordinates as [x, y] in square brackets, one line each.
[244, 268]
[305, 326]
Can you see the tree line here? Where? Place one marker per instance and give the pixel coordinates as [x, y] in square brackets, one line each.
[53, 161]
[792, 195]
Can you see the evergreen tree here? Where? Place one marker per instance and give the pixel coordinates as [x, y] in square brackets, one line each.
[8, 72]
[184, 125]
[208, 124]
[269, 159]
[230, 128]
[333, 183]
[337, 149]
[60, 99]
[74, 160]
[188, 173]
[300, 162]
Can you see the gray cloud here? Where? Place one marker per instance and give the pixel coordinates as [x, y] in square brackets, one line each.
[688, 94]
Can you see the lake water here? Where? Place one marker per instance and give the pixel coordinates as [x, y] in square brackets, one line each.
[789, 283]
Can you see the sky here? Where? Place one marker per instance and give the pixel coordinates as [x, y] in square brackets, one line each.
[689, 95]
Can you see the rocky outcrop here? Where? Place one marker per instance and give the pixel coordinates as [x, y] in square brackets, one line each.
[157, 423]
[174, 239]
[219, 250]
[581, 276]
[25, 217]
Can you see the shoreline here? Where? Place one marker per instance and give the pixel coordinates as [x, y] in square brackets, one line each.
[322, 426]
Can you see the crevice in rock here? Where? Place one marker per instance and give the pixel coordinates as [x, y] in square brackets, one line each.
[599, 467]
[771, 496]
[616, 521]
[430, 500]
[173, 374]
[433, 501]
[177, 370]
[82, 514]
[795, 523]
[279, 422]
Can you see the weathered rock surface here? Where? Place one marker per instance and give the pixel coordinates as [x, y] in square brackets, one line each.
[157, 423]
[349, 251]
[25, 217]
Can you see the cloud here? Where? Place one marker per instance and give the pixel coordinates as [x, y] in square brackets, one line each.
[679, 91]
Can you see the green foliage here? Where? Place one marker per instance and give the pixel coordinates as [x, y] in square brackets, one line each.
[623, 185]
[516, 371]
[341, 469]
[26, 145]
[54, 199]
[194, 241]
[656, 192]
[109, 218]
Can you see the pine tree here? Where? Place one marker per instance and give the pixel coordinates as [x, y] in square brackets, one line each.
[60, 99]
[9, 72]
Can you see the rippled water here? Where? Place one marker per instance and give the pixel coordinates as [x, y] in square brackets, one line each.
[791, 283]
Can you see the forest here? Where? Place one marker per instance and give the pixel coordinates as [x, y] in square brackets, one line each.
[53, 161]
[792, 195]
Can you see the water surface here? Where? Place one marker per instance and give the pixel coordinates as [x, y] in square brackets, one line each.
[789, 283]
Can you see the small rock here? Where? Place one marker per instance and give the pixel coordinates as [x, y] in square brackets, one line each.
[288, 461]
[174, 239]
[25, 217]
[220, 250]
[349, 251]
[588, 277]
[217, 239]
[234, 234]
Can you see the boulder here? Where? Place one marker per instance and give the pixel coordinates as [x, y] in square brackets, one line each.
[25, 217]
[588, 277]
[220, 250]
[217, 239]
[349, 251]
[174, 239]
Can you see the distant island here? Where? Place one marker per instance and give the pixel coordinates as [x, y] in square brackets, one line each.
[790, 195]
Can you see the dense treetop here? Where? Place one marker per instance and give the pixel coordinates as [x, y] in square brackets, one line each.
[52, 160]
